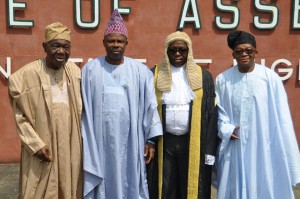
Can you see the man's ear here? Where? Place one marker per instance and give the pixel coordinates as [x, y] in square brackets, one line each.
[44, 46]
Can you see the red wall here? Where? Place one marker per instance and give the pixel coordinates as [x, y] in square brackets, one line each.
[148, 25]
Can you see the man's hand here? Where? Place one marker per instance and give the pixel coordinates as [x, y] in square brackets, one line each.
[44, 154]
[149, 152]
[234, 134]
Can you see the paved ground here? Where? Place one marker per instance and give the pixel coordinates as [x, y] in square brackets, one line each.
[9, 179]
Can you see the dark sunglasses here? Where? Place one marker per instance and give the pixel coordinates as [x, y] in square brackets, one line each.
[247, 51]
[180, 50]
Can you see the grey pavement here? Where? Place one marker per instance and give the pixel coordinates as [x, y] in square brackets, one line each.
[9, 180]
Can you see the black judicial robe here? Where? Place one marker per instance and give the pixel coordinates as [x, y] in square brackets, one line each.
[208, 141]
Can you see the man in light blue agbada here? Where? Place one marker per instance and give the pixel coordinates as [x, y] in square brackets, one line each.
[258, 156]
[119, 117]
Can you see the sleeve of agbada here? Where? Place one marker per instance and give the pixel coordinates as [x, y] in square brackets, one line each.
[22, 107]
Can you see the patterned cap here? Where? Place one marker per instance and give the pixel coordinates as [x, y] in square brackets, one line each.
[116, 25]
[57, 31]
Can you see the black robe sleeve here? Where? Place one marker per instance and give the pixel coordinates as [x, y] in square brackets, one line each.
[209, 139]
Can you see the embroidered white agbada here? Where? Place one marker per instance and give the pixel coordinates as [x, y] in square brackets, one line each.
[264, 162]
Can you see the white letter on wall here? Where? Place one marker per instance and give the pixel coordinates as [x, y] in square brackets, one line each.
[266, 8]
[227, 8]
[289, 71]
[8, 68]
[299, 71]
[96, 15]
[184, 18]
[296, 8]
[122, 10]
[12, 7]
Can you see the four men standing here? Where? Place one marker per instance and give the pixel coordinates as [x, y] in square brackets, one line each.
[258, 156]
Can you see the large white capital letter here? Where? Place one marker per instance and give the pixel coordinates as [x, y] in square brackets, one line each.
[8, 68]
[96, 15]
[12, 22]
[296, 9]
[288, 71]
[227, 8]
[266, 8]
[122, 10]
[184, 18]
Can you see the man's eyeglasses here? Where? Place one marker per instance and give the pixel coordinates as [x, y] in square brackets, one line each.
[180, 50]
[247, 51]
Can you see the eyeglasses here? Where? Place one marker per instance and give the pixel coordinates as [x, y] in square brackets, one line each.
[247, 51]
[180, 50]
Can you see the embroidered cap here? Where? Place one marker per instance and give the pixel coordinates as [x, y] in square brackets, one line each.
[116, 24]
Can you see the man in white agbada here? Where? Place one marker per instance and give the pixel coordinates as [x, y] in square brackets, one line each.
[258, 156]
[119, 117]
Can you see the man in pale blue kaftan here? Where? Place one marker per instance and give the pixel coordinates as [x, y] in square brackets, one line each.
[119, 120]
[119, 116]
[263, 162]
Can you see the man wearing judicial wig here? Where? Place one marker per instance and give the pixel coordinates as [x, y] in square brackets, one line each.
[186, 103]
[119, 117]
[258, 156]
[46, 100]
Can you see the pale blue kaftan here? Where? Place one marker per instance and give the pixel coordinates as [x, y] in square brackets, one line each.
[265, 162]
[120, 114]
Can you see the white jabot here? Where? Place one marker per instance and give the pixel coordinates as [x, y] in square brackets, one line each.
[177, 102]
[181, 92]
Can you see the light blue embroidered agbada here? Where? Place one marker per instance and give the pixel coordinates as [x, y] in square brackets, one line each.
[120, 114]
[265, 161]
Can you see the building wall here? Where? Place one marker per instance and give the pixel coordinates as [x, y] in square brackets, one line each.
[148, 23]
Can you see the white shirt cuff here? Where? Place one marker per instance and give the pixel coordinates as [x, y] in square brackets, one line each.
[209, 159]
